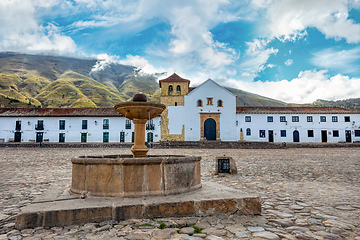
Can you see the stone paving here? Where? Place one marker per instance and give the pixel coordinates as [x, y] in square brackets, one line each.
[306, 194]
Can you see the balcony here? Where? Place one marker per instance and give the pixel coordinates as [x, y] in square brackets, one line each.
[150, 126]
[39, 127]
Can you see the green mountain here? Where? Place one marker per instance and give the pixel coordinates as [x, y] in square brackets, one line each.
[47, 81]
[352, 103]
[250, 99]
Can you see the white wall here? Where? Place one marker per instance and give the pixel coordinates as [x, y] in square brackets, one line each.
[259, 122]
[73, 129]
[210, 89]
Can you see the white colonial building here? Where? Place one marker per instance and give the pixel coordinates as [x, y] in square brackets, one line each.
[207, 112]
[70, 125]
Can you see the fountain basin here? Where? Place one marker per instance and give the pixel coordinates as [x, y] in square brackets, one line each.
[140, 110]
[125, 176]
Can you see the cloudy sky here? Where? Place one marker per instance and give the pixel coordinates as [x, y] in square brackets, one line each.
[290, 50]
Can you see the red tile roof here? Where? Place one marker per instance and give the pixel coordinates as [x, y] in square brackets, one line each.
[191, 88]
[59, 112]
[174, 78]
[294, 110]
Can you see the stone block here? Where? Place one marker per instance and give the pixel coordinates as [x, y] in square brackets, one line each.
[128, 212]
[218, 205]
[170, 209]
[249, 205]
[28, 220]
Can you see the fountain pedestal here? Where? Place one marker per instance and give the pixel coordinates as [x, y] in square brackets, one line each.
[139, 149]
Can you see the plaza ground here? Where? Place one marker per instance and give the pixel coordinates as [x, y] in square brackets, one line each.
[308, 183]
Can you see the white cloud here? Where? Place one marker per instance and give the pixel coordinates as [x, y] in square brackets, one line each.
[141, 63]
[306, 88]
[255, 58]
[103, 61]
[290, 18]
[21, 32]
[289, 62]
[346, 61]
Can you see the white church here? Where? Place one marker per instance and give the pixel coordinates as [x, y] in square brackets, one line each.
[205, 113]
[209, 112]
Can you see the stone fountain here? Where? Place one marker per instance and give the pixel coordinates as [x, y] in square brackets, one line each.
[138, 175]
[118, 187]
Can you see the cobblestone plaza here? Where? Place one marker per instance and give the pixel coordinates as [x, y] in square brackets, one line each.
[307, 193]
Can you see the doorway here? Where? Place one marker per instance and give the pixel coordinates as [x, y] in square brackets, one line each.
[17, 137]
[296, 136]
[210, 129]
[323, 136]
[122, 136]
[39, 136]
[150, 137]
[271, 136]
[348, 135]
[61, 137]
[83, 137]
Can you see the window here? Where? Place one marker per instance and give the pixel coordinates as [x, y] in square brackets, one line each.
[309, 118]
[178, 88]
[262, 133]
[282, 119]
[209, 101]
[128, 124]
[39, 125]
[106, 124]
[283, 133]
[310, 133]
[84, 124]
[248, 132]
[270, 118]
[170, 89]
[175, 104]
[105, 137]
[18, 126]
[61, 124]
[334, 118]
[150, 125]
[347, 118]
[199, 103]
[247, 118]
[335, 133]
[219, 103]
[322, 118]
[295, 118]
[357, 133]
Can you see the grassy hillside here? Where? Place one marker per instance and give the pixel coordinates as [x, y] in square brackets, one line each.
[45, 81]
[352, 103]
[250, 99]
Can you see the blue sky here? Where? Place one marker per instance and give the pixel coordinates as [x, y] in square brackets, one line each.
[290, 50]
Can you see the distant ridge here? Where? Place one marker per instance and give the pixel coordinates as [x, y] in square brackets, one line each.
[48, 81]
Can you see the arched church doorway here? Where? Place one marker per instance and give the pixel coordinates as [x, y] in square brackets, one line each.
[210, 129]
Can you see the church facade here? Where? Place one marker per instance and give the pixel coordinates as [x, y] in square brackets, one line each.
[209, 112]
